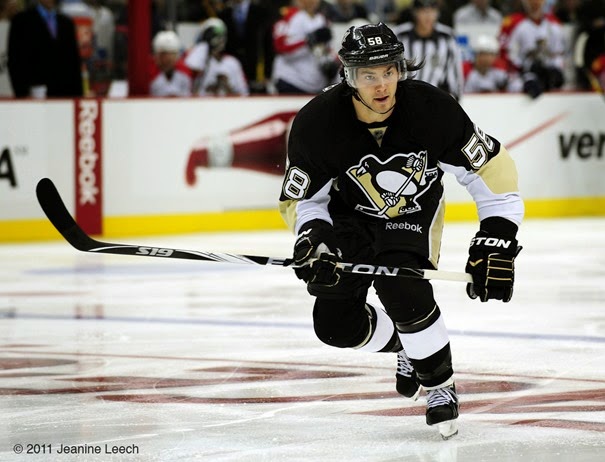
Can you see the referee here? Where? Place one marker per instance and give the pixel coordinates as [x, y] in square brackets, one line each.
[426, 39]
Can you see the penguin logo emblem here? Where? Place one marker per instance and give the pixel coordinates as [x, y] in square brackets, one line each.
[392, 186]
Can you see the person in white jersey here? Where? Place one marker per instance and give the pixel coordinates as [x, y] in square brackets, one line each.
[486, 76]
[533, 44]
[216, 72]
[168, 80]
[304, 62]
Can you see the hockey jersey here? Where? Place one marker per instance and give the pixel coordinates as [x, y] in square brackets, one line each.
[295, 62]
[523, 40]
[178, 83]
[216, 75]
[392, 171]
[494, 80]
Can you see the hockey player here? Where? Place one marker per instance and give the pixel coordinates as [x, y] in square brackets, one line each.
[217, 73]
[533, 44]
[486, 76]
[363, 184]
[304, 61]
[168, 78]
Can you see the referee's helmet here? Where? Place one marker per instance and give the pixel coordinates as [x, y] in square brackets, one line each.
[370, 45]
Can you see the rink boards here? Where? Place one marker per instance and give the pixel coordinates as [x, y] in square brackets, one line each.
[132, 166]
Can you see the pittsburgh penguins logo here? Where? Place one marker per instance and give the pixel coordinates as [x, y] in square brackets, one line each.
[393, 186]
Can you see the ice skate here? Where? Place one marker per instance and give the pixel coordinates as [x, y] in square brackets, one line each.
[442, 410]
[407, 382]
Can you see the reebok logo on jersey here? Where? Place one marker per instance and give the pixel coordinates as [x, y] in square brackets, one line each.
[490, 242]
[405, 225]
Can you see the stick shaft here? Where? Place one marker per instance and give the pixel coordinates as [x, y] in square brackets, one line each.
[54, 208]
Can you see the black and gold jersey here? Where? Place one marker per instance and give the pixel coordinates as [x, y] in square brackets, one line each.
[391, 172]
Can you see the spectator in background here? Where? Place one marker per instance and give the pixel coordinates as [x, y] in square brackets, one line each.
[304, 62]
[43, 55]
[9, 8]
[477, 12]
[95, 29]
[346, 11]
[566, 11]
[104, 28]
[533, 44]
[167, 78]
[589, 47]
[249, 40]
[216, 72]
[427, 40]
[200, 10]
[485, 76]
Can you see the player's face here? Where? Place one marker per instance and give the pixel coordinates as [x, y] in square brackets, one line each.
[166, 60]
[377, 85]
[485, 60]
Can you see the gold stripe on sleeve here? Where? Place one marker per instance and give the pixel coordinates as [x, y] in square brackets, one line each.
[500, 173]
[287, 209]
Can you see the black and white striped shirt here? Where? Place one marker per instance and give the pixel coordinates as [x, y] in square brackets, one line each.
[442, 57]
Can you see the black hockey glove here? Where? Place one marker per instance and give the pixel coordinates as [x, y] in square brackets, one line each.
[316, 253]
[319, 36]
[491, 260]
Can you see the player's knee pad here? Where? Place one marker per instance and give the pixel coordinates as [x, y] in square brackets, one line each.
[382, 335]
[341, 323]
[406, 300]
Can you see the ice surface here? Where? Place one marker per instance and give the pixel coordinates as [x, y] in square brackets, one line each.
[197, 361]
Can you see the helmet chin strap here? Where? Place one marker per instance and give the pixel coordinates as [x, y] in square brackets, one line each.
[360, 99]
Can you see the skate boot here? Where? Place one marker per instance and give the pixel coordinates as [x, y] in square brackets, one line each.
[442, 409]
[407, 383]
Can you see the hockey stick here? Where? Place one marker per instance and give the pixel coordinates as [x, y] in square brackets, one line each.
[59, 216]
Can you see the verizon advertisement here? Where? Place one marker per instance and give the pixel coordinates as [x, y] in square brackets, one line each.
[36, 140]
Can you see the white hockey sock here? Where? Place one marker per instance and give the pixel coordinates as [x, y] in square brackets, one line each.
[422, 344]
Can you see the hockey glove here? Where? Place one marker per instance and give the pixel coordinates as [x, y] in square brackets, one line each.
[319, 36]
[316, 253]
[491, 260]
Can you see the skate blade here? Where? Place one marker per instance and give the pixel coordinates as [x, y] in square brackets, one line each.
[448, 429]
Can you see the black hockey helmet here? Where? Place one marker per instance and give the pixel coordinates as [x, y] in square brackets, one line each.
[370, 45]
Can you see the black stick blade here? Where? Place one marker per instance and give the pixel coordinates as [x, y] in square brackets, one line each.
[54, 208]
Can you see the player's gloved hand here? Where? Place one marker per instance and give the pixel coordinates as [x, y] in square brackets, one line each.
[319, 36]
[491, 260]
[316, 252]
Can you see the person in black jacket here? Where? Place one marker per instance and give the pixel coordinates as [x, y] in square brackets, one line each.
[43, 54]
[249, 39]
